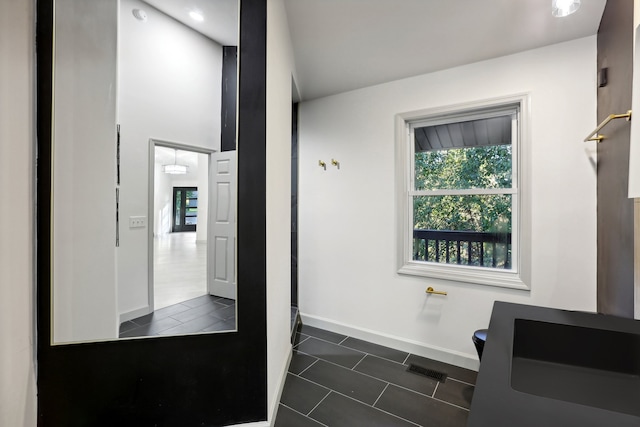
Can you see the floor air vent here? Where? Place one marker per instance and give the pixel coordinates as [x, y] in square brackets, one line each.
[429, 373]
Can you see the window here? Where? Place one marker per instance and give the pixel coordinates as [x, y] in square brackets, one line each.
[463, 193]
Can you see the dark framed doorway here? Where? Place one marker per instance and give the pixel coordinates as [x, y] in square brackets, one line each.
[185, 209]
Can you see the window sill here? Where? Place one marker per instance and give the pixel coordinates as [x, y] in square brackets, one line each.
[475, 275]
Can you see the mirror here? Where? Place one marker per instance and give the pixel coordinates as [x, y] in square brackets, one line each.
[143, 175]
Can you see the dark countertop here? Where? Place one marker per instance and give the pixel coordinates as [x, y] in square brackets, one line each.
[549, 387]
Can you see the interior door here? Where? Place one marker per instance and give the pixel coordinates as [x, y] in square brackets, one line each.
[222, 231]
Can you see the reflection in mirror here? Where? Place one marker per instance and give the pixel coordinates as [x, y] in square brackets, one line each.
[142, 88]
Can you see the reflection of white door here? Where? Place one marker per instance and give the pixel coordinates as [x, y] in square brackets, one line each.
[222, 228]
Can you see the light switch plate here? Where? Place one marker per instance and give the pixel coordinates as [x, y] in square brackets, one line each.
[137, 221]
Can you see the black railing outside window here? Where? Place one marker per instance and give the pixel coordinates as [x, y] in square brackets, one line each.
[463, 247]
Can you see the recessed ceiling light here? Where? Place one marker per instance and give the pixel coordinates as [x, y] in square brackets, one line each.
[140, 15]
[562, 8]
[196, 15]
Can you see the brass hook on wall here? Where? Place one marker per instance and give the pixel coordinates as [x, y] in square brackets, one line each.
[335, 163]
[322, 164]
[594, 136]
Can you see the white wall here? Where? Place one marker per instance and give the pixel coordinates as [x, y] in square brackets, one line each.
[169, 89]
[84, 171]
[347, 265]
[17, 370]
[279, 71]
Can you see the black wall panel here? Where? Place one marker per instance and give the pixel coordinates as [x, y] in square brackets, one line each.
[197, 380]
[615, 209]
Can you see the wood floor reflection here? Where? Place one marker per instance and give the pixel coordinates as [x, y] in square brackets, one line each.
[180, 268]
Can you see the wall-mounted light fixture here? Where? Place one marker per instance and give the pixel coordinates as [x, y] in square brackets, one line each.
[562, 8]
[175, 168]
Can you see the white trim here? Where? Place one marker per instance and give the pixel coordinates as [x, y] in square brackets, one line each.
[134, 314]
[519, 277]
[464, 192]
[452, 357]
[153, 143]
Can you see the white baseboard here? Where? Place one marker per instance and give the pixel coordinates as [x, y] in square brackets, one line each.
[464, 360]
[134, 314]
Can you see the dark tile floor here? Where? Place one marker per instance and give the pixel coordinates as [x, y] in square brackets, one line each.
[207, 313]
[340, 381]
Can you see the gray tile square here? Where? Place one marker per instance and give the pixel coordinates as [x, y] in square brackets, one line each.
[287, 417]
[300, 362]
[322, 334]
[340, 411]
[331, 352]
[455, 392]
[375, 349]
[301, 395]
[456, 372]
[420, 409]
[350, 383]
[395, 373]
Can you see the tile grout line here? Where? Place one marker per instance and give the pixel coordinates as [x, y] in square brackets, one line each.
[359, 361]
[324, 340]
[375, 378]
[381, 393]
[360, 351]
[451, 404]
[297, 345]
[381, 357]
[460, 381]
[433, 395]
[356, 400]
[305, 369]
[321, 400]
[298, 412]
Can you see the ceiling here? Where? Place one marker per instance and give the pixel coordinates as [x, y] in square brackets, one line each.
[220, 17]
[168, 156]
[341, 45]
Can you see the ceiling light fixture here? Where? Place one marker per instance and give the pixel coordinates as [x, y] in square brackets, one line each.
[140, 15]
[562, 8]
[175, 168]
[196, 15]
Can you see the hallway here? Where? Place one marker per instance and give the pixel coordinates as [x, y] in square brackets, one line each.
[340, 381]
[179, 268]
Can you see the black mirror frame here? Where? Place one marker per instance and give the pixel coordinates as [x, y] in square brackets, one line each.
[191, 380]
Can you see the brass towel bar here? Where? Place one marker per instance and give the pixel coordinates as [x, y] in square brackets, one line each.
[593, 136]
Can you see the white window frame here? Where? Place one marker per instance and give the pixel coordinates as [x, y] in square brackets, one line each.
[519, 276]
